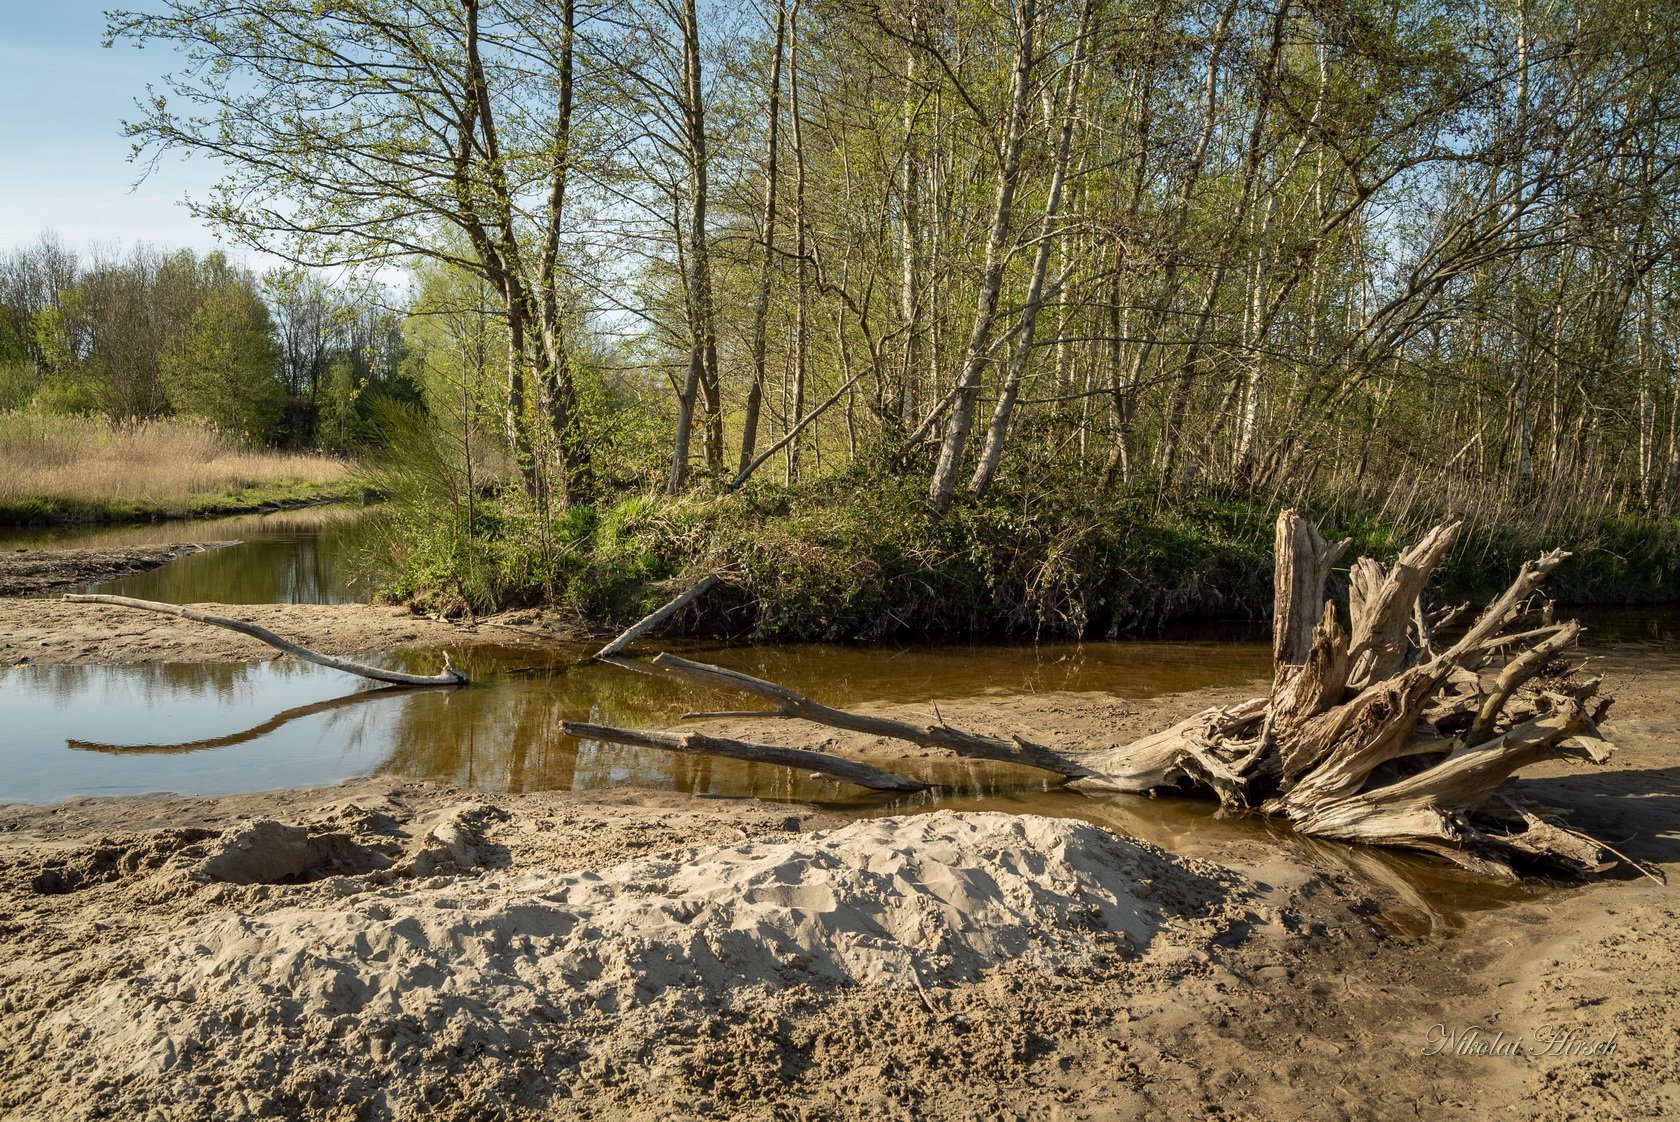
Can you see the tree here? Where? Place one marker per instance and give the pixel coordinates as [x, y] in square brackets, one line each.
[455, 338]
[105, 338]
[223, 367]
[1236, 245]
[32, 280]
[355, 134]
[977, 355]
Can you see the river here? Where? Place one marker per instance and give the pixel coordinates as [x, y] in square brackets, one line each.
[224, 728]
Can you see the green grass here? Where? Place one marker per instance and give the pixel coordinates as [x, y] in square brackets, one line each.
[853, 559]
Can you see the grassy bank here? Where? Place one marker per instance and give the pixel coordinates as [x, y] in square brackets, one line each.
[71, 469]
[857, 558]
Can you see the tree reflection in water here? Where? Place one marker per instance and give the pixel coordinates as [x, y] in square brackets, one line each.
[233, 727]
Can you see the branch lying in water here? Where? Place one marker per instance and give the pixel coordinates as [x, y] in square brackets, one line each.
[695, 743]
[449, 677]
[654, 618]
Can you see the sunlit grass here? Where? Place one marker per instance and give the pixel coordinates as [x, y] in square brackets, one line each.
[56, 466]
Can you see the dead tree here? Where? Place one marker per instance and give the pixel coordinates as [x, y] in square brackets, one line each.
[1375, 733]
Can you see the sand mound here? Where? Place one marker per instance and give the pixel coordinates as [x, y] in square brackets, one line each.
[303, 1007]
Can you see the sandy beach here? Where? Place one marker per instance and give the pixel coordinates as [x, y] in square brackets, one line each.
[385, 949]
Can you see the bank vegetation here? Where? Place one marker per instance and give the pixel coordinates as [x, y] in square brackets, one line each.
[70, 468]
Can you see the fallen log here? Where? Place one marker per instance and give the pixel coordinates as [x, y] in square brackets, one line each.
[448, 677]
[1372, 732]
[658, 616]
[790, 704]
[695, 743]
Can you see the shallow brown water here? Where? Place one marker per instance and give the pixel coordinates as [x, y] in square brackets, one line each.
[303, 556]
[228, 728]
[221, 729]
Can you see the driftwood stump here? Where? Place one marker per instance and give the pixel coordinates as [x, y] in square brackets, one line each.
[1376, 732]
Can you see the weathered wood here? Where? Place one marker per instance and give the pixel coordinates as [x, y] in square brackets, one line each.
[696, 743]
[1319, 683]
[1433, 809]
[1336, 752]
[1382, 604]
[1372, 736]
[1195, 750]
[1303, 562]
[1518, 672]
[658, 616]
[449, 677]
[1503, 610]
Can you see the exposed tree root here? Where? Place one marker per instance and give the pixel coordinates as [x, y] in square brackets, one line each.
[1371, 733]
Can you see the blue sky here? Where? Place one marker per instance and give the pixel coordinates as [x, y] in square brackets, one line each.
[63, 159]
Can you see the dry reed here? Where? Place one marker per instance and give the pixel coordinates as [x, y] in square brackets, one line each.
[164, 463]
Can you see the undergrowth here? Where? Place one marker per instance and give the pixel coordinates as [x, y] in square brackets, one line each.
[857, 558]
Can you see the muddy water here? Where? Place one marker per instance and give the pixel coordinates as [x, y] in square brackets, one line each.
[214, 729]
[217, 729]
[226, 728]
[312, 555]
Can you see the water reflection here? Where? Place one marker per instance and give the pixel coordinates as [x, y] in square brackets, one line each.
[313, 555]
[222, 728]
[91, 536]
[842, 675]
[229, 740]
[193, 729]
[46, 707]
[1651, 627]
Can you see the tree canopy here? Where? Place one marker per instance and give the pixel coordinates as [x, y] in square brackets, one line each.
[1251, 244]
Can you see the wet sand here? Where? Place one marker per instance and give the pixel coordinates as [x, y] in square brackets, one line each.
[1277, 984]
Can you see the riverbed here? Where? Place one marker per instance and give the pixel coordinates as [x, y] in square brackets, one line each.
[111, 701]
[1322, 982]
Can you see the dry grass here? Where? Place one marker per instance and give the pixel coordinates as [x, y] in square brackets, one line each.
[81, 466]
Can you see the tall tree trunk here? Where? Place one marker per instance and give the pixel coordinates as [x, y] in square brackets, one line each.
[576, 460]
[992, 451]
[1177, 222]
[701, 380]
[977, 355]
[761, 303]
[910, 292]
[1177, 409]
[802, 264]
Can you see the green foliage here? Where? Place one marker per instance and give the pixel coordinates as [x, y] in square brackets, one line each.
[459, 550]
[66, 396]
[852, 558]
[223, 366]
[20, 381]
[857, 558]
